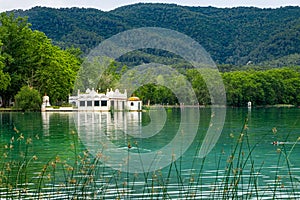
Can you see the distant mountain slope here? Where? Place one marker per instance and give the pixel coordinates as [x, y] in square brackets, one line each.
[232, 36]
[286, 42]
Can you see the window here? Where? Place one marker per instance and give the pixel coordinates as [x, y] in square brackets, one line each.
[96, 103]
[132, 104]
[82, 103]
[103, 103]
[89, 103]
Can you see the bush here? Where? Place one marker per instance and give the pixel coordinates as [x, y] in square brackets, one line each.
[28, 99]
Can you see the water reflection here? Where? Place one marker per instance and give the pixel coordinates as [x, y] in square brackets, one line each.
[46, 122]
[266, 174]
[92, 124]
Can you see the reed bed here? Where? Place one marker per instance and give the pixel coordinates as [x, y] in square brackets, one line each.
[84, 176]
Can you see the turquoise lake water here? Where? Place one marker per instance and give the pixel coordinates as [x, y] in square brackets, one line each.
[136, 148]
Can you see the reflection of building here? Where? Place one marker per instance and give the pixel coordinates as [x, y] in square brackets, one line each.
[91, 100]
[46, 123]
[92, 125]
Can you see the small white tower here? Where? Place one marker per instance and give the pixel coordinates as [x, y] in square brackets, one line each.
[249, 104]
[46, 103]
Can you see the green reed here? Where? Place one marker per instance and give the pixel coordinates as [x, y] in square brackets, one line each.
[84, 176]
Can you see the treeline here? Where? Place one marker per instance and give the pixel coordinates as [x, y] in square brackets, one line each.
[265, 87]
[29, 59]
[31, 65]
[231, 35]
[274, 86]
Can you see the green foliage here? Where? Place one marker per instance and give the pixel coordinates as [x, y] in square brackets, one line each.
[261, 87]
[4, 77]
[269, 87]
[156, 94]
[260, 38]
[110, 77]
[56, 77]
[28, 99]
[199, 86]
[231, 35]
[16, 43]
[4, 80]
[289, 60]
[29, 58]
[99, 73]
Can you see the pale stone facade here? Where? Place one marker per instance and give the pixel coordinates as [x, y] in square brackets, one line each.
[91, 100]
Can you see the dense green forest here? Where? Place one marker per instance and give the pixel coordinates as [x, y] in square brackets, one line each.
[256, 50]
[261, 87]
[231, 35]
[28, 58]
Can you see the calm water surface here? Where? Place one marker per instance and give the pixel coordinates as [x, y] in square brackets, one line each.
[269, 171]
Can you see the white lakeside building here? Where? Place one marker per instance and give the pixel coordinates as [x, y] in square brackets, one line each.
[91, 100]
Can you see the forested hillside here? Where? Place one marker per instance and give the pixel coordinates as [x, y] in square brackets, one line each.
[231, 35]
[246, 43]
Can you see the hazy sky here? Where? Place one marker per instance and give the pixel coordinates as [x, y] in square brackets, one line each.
[106, 5]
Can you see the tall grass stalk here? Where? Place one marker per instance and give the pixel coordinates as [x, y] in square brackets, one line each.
[85, 177]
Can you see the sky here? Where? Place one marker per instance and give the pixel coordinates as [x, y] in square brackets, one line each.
[107, 5]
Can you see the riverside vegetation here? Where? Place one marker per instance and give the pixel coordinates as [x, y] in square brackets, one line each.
[29, 59]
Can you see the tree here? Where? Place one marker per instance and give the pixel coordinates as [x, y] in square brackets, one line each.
[57, 75]
[28, 99]
[4, 77]
[30, 58]
[110, 77]
[14, 35]
[270, 87]
[199, 85]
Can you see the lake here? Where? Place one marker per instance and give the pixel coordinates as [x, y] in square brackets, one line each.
[151, 155]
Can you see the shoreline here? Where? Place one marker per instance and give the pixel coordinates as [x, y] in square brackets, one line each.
[164, 106]
[209, 106]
